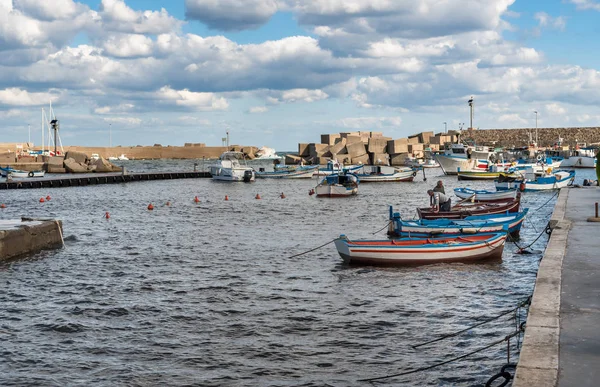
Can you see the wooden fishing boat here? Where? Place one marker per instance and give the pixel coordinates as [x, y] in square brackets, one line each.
[481, 175]
[419, 251]
[485, 195]
[462, 210]
[338, 185]
[382, 173]
[17, 173]
[305, 172]
[469, 225]
[548, 181]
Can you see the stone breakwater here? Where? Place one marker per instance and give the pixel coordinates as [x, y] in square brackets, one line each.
[20, 237]
[546, 136]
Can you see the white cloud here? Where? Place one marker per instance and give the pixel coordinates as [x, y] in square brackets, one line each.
[586, 4]
[258, 109]
[193, 121]
[18, 97]
[555, 109]
[231, 14]
[117, 16]
[189, 99]
[49, 10]
[546, 20]
[129, 45]
[132, 121]
[370, 122]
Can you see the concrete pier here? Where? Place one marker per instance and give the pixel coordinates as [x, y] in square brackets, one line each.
[22, 237]
[562, 339]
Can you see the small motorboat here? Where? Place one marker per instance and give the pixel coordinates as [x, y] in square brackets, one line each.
[382, 173]
[333, 166]
[422, 250]
[229, 168]
[17, 173]
[462, 210]
[303, 172]
[338, 185]
[469, 225]
[485, 195]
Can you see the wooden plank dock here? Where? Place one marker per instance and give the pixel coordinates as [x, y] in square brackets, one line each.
[98, 178]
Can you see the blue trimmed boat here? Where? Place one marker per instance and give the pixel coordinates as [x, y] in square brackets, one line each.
[548, 181]
[485, 195]
[469, 225]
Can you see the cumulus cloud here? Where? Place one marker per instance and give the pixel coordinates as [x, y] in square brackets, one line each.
[546, 20]
[230, 15]
[192, 100]
[117, 16]
[370, 122]
[586, 4]
[18, 97]
[49, 10]
[128, 45]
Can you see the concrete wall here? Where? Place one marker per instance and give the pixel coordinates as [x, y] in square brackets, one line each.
[547, 136]
[28, 237]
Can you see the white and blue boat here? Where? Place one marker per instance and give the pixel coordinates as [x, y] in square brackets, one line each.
[333, 166]
[485, 195]
[473, 224]
[383, 173]
[532, 182]
[302, 172]
[338, 185]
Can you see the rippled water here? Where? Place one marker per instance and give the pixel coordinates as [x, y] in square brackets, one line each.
[209, 293]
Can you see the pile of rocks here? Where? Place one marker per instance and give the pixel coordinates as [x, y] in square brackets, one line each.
[78, 162]
[369, 148]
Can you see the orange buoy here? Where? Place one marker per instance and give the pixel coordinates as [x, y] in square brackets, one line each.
[107, 215]
[48, 197]
[257, 196]
[168, 203]
[2, 205]
[42, 200]
[282, 195]
[150, 207]
[226, 197]
[196, 200]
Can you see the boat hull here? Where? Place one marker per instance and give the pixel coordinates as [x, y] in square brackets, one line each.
[486, 196]
[420, 251]
[540, 184]
[335, 191]
[462, 211]
[286, 174]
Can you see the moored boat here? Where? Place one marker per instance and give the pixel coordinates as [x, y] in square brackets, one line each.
[229, 168]
[469, 225]
[418, 251]
[462, 210]
[334, 166]
[485, 195]
[305, 172]
[338, 185]
[532, 182]
[382, 173]
[17, 173]
[481, 175]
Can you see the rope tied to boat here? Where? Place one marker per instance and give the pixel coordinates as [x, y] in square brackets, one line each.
[548, 201]
[547, 230]
[316, 248]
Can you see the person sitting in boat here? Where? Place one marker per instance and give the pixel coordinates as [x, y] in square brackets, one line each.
[439, 187]
[440, 202]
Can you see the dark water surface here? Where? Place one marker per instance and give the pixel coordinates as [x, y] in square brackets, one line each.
[209, 294]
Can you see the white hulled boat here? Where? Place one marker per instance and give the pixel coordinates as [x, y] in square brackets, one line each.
[465, 158]
[229, 168]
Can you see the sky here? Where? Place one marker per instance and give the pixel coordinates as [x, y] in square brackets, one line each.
[281, 72]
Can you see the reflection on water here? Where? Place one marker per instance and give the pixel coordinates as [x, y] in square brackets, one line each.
[207, 294]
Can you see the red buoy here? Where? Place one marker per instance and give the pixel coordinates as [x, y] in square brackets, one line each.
[226, 197]
[48, 198]
[168, 203]
[107, 215]
[196, 200]
[282, 195]
[150, 207]
[2, 205]
[42, 200]
[257, 196]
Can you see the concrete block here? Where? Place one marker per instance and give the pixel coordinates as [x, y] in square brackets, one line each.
[362, 159]
[376, 134]
[364, 137]
[424, 137]
[338, 147]
[353, 140]
[349, 134]
[303, 150]
[317, 150]
[73, 166]
[377, 145]
[56, 161]
[330, 139]
[79, 157]
[342, 158]
[55, 169]
[413, 140]
[293, 159]
[356, 149]
[380, 159]
[397, 146]
[412, 148]
[398, 158]
[28, 237]
[321, 160]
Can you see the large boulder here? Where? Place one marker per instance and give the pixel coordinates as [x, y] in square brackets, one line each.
[73, 166]
[102, 165]
[77, 156]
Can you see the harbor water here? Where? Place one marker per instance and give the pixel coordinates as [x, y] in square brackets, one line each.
[217, 293]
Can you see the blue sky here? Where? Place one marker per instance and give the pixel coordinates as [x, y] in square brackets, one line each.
[280, 72]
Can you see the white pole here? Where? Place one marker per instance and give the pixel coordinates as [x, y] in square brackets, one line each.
[42, 131]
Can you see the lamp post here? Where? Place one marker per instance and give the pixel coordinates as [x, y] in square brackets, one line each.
[471, 105]
[445, 127]
[536, 129]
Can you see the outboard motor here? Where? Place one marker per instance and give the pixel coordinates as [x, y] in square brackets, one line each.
[248, 176]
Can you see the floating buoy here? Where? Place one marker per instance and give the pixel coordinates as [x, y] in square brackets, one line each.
[107, 215]
[196, 200]
[48, 197]
[226, 197]
[257, 196]
[282, 195]
[168, 203]
[150, 207]
[2, 205]
[42, 200]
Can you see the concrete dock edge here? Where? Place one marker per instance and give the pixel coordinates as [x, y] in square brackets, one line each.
[29, 237]
[538, 361]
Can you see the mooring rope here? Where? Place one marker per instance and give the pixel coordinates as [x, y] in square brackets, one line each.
[547, 230]
[316, 248]
[523, 303]
[548, 201]
[506, 338]
[383, 228]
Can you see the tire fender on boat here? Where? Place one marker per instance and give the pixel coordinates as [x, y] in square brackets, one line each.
[414, 173]
[30, 174]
